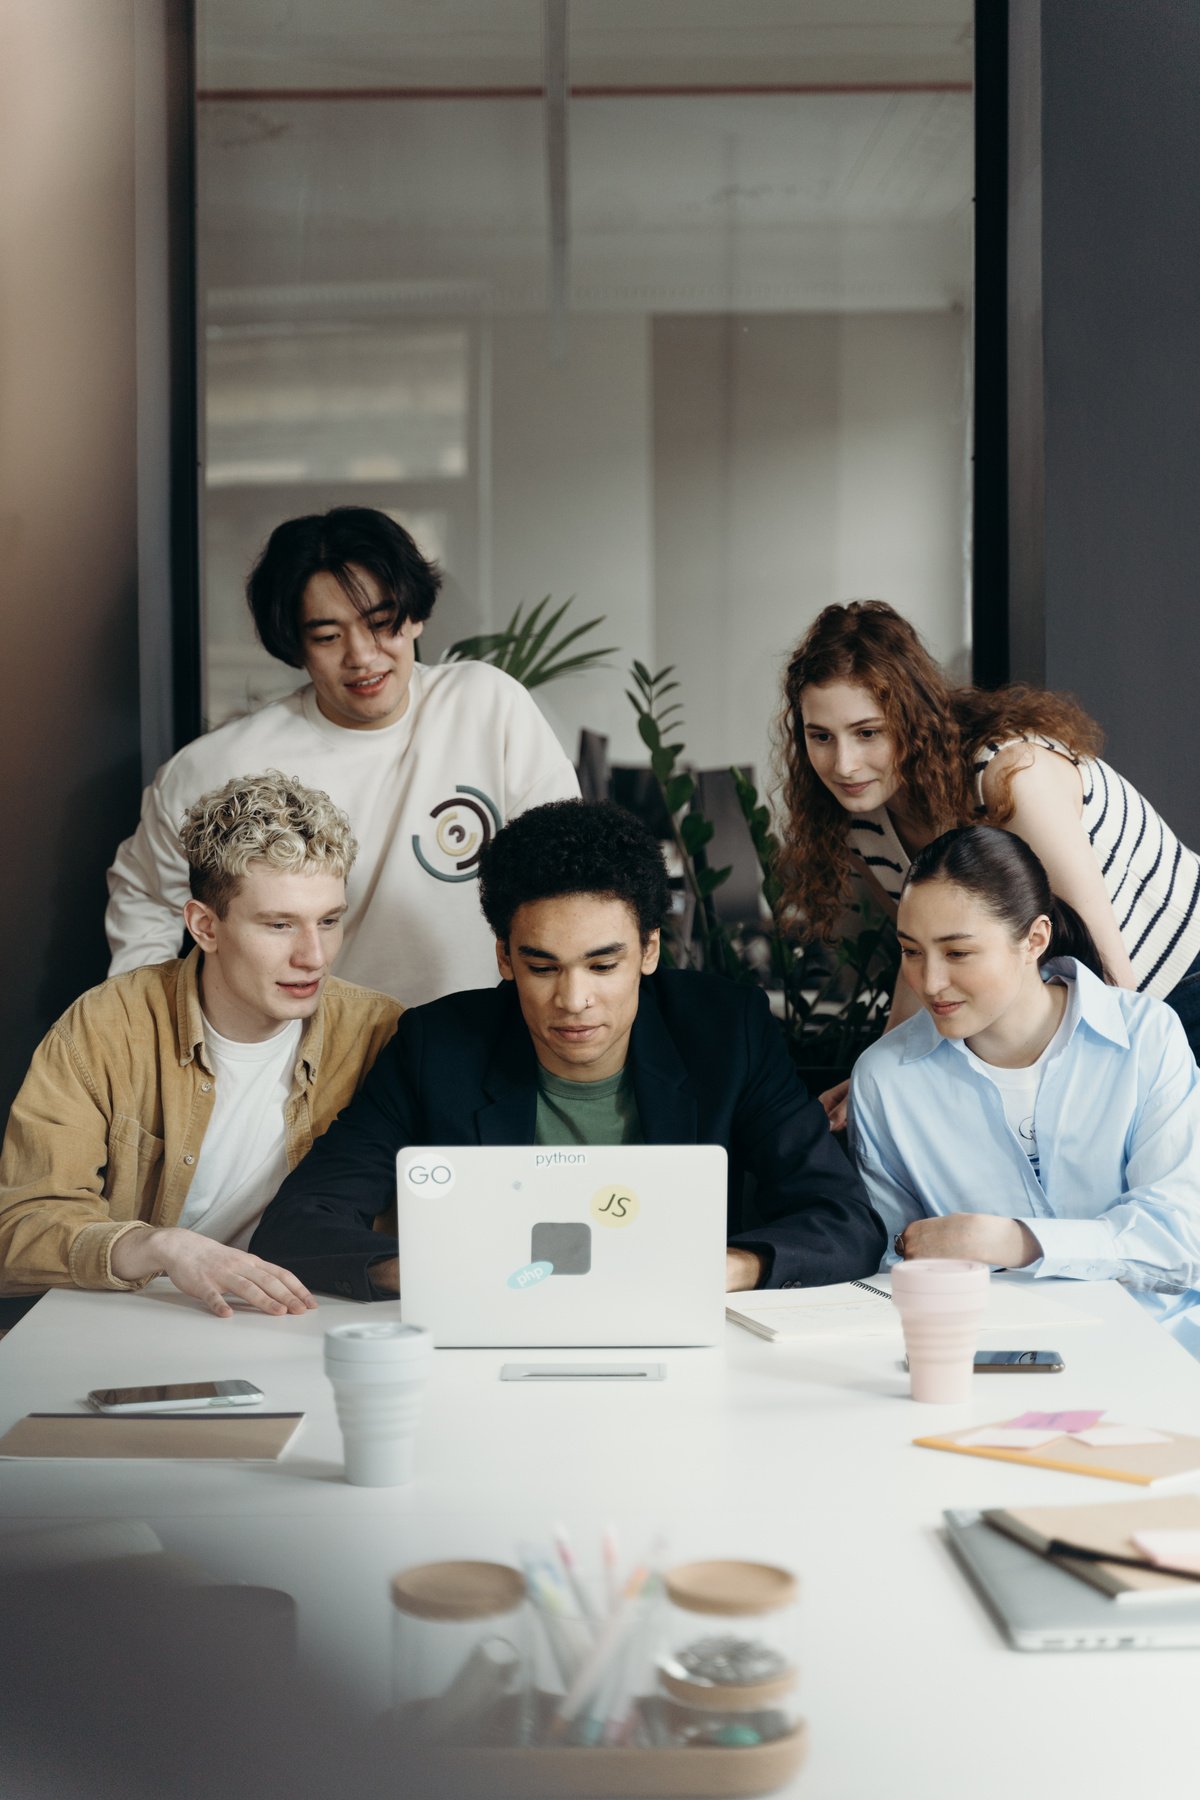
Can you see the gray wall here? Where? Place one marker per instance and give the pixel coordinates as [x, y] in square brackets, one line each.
[1120, 389]
[69, 723]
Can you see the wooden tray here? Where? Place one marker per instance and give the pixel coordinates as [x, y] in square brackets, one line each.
[703, 1773]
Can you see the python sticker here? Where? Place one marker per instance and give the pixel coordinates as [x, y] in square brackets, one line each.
[615, 1207]
[463, 826]
[428, 1175]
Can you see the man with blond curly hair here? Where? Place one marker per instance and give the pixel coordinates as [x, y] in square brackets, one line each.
[162, 1111]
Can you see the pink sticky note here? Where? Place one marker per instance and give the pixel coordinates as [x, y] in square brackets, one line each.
[1056, 1421]
[1180, 1549]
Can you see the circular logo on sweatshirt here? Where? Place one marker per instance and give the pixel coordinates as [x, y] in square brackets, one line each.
[461, 827]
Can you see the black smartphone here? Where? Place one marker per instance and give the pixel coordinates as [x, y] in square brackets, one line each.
[1018, 1362]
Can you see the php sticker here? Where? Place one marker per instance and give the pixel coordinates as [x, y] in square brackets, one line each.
[530, 1275]
[615, 1207]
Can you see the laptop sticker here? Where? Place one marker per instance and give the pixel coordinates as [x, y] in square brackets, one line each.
[428, 1175]
[615, 1207]
[530, 1274]
[565, 1244]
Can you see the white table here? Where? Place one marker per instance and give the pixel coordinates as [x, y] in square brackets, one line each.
[755, 1450]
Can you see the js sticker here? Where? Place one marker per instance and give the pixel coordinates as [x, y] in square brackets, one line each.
[615, 1207]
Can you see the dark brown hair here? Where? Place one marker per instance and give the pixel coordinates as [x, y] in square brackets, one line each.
[936, 729]
[1000, 871]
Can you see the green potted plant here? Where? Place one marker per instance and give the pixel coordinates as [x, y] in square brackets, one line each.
[527, 650]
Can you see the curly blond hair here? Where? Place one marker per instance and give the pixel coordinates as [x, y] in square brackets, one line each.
[272, 819]
[937, 731]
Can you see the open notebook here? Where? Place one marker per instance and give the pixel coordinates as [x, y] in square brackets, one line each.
[860, 1309]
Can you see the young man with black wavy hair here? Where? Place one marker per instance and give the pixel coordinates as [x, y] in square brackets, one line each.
[585, 1041]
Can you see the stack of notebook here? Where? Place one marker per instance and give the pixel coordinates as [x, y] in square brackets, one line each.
[1135, 1534]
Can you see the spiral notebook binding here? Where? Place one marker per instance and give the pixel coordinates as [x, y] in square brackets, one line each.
[871, 1290]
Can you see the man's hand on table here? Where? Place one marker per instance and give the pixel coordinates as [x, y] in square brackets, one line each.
[207, 1270]
[385, 1274]
[978, 1237]
[743, 1269]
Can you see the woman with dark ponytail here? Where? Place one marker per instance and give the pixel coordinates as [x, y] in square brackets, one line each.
[1029, 1115]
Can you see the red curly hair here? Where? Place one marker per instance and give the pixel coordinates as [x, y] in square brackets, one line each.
[936, 729]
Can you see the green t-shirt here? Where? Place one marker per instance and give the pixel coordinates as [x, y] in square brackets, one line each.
[587, 1112]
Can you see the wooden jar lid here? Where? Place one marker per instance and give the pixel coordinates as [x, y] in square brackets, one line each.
[730, 1589]
[457, 1590]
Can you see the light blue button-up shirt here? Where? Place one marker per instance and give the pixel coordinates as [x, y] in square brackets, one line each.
[1117, 1122]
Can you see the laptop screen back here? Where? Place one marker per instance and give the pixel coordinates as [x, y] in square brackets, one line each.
[521, 1246]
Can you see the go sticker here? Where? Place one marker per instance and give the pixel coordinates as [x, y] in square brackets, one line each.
[615, 1207]
[428, 1175]
[531, 1274]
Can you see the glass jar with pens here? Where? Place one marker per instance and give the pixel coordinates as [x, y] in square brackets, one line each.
[592, 1647]
[728, 1656]
[461, 1654]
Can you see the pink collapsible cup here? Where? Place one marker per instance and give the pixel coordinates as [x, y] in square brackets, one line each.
[941, 1304]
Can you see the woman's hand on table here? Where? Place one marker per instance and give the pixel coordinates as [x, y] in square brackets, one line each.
[977, 1237]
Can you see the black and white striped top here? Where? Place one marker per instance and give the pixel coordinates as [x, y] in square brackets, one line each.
[1152, 880]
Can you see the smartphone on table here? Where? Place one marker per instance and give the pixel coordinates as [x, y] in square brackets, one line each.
[1018, 1362]
[175, 1396]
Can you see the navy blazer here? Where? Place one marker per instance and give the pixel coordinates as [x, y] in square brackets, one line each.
[709, 1066]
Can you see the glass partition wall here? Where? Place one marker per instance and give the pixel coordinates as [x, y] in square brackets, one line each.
[663, 309]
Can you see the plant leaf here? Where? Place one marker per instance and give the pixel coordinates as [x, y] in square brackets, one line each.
[695, 831]
[533, 636]
[571, 665]
[679, 791]
[477, 649]
[708, 879]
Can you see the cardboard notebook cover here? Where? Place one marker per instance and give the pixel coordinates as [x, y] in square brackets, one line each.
[184, 1435]
[1106, 1527]
[1142, 1464]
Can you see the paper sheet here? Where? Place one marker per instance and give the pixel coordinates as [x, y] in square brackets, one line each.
[1008, 1437]
[1121, 1434]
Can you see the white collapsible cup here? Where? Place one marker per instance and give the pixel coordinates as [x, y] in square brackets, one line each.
[941, 1305]
[378, 1371]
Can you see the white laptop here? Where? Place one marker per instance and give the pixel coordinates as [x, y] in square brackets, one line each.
[522, 1246]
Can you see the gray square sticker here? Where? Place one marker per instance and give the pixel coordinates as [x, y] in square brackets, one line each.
[568, 1245]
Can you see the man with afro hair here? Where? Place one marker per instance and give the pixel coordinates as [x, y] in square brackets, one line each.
[585, 1041]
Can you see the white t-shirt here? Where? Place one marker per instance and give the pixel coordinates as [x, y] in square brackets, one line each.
[1019, 1087]
[243, 1158]
[423, 796]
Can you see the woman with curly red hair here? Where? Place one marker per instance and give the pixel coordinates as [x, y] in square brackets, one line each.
[883, 755]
